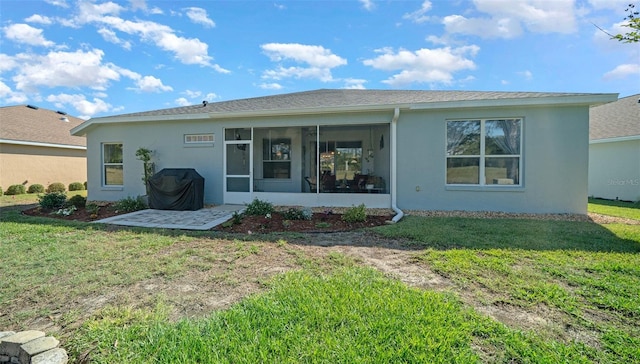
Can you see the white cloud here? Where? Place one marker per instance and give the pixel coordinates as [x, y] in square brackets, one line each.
[367, 4]
[37, 18]
[151, 84]
[7, 63]
[483, 27]
[419, 16]
[527, 75]
[211, 96]
[623, 71]
[424, 65]
[138, 5]
[11, 97]
[80, 103]
[181, 101]
[506, 18]
[192, 94]
[199, 16]
[354, 84]
[60, 3]
[111, 37]
[619, 5]
[270, 86]
[68, 69]
[186, 50]
[24, 33]
[319, 61]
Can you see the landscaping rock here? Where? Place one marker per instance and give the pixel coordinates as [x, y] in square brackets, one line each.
[29, 347]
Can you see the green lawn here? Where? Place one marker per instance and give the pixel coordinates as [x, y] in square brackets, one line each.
[627, 210]
[580, 278]
[30, 198]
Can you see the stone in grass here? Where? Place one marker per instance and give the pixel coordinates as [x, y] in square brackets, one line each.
[10, 345]
[37, 346]
[6, 333]
[55, 356]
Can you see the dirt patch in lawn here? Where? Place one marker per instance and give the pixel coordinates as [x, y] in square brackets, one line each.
[243, 266]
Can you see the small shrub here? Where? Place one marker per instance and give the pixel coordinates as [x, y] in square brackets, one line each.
[15, 190]
[355, 214]
[92, 208]
[77, 201]
[52, 200]
[298, 214]
[66, 211]
[85, 185]
[236, 218]
[131, 204]
[36, 188]
[56, 187]
[258, 207]
[76, 186]
[1, 193]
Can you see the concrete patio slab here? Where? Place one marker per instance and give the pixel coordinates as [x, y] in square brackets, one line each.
[203, 219]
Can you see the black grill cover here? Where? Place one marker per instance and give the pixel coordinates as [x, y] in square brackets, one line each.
[176, 189]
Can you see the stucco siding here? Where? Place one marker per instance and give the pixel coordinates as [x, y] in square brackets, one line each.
[554, 152]
[614, 170]
[24, 164]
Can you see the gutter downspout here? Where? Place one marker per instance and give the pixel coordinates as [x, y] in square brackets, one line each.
[394, 166]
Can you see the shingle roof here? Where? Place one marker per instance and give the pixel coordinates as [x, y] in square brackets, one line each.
[616, 119]
[336, 98]
[25, 124]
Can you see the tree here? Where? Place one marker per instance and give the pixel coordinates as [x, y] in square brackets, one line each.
[633, 35]
[144, 155]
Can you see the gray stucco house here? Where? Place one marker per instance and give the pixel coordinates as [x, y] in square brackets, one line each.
[414, 150]
[614, 150]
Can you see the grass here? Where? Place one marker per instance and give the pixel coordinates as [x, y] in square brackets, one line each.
[579, 279]
[627, 210]
[30, 198]
[351, 315]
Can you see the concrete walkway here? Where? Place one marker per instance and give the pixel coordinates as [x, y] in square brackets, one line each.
[203, 219]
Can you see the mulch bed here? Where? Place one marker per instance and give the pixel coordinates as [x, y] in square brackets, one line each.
[320, 222]
[80, 214]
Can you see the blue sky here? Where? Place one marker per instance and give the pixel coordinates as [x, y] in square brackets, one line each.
[98, 58]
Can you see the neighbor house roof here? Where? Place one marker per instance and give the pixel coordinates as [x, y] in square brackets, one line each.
[619, 119]
[30, 125]
[338, 100]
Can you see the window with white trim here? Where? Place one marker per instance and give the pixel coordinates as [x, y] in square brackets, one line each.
[198, 138]
[112, 163]
[484, 152]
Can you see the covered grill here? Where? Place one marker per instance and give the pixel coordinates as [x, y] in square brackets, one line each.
[176, 189]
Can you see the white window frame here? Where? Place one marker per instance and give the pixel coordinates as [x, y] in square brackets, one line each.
[482, 156]
[106, 164]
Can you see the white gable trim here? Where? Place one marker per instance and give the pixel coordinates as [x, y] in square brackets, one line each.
[37, 144]
[616, 139]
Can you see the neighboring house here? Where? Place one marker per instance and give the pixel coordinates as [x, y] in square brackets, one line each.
[614, 150]
[422, 150]
[37, 147]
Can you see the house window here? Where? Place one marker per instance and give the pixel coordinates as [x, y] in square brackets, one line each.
[112, 164]
[276, 158]
[484, 152]
[198, 138]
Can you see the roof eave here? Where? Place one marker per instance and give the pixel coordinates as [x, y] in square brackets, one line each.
[591, 99]
[615, 139]
[39, 144]
[81, 129]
